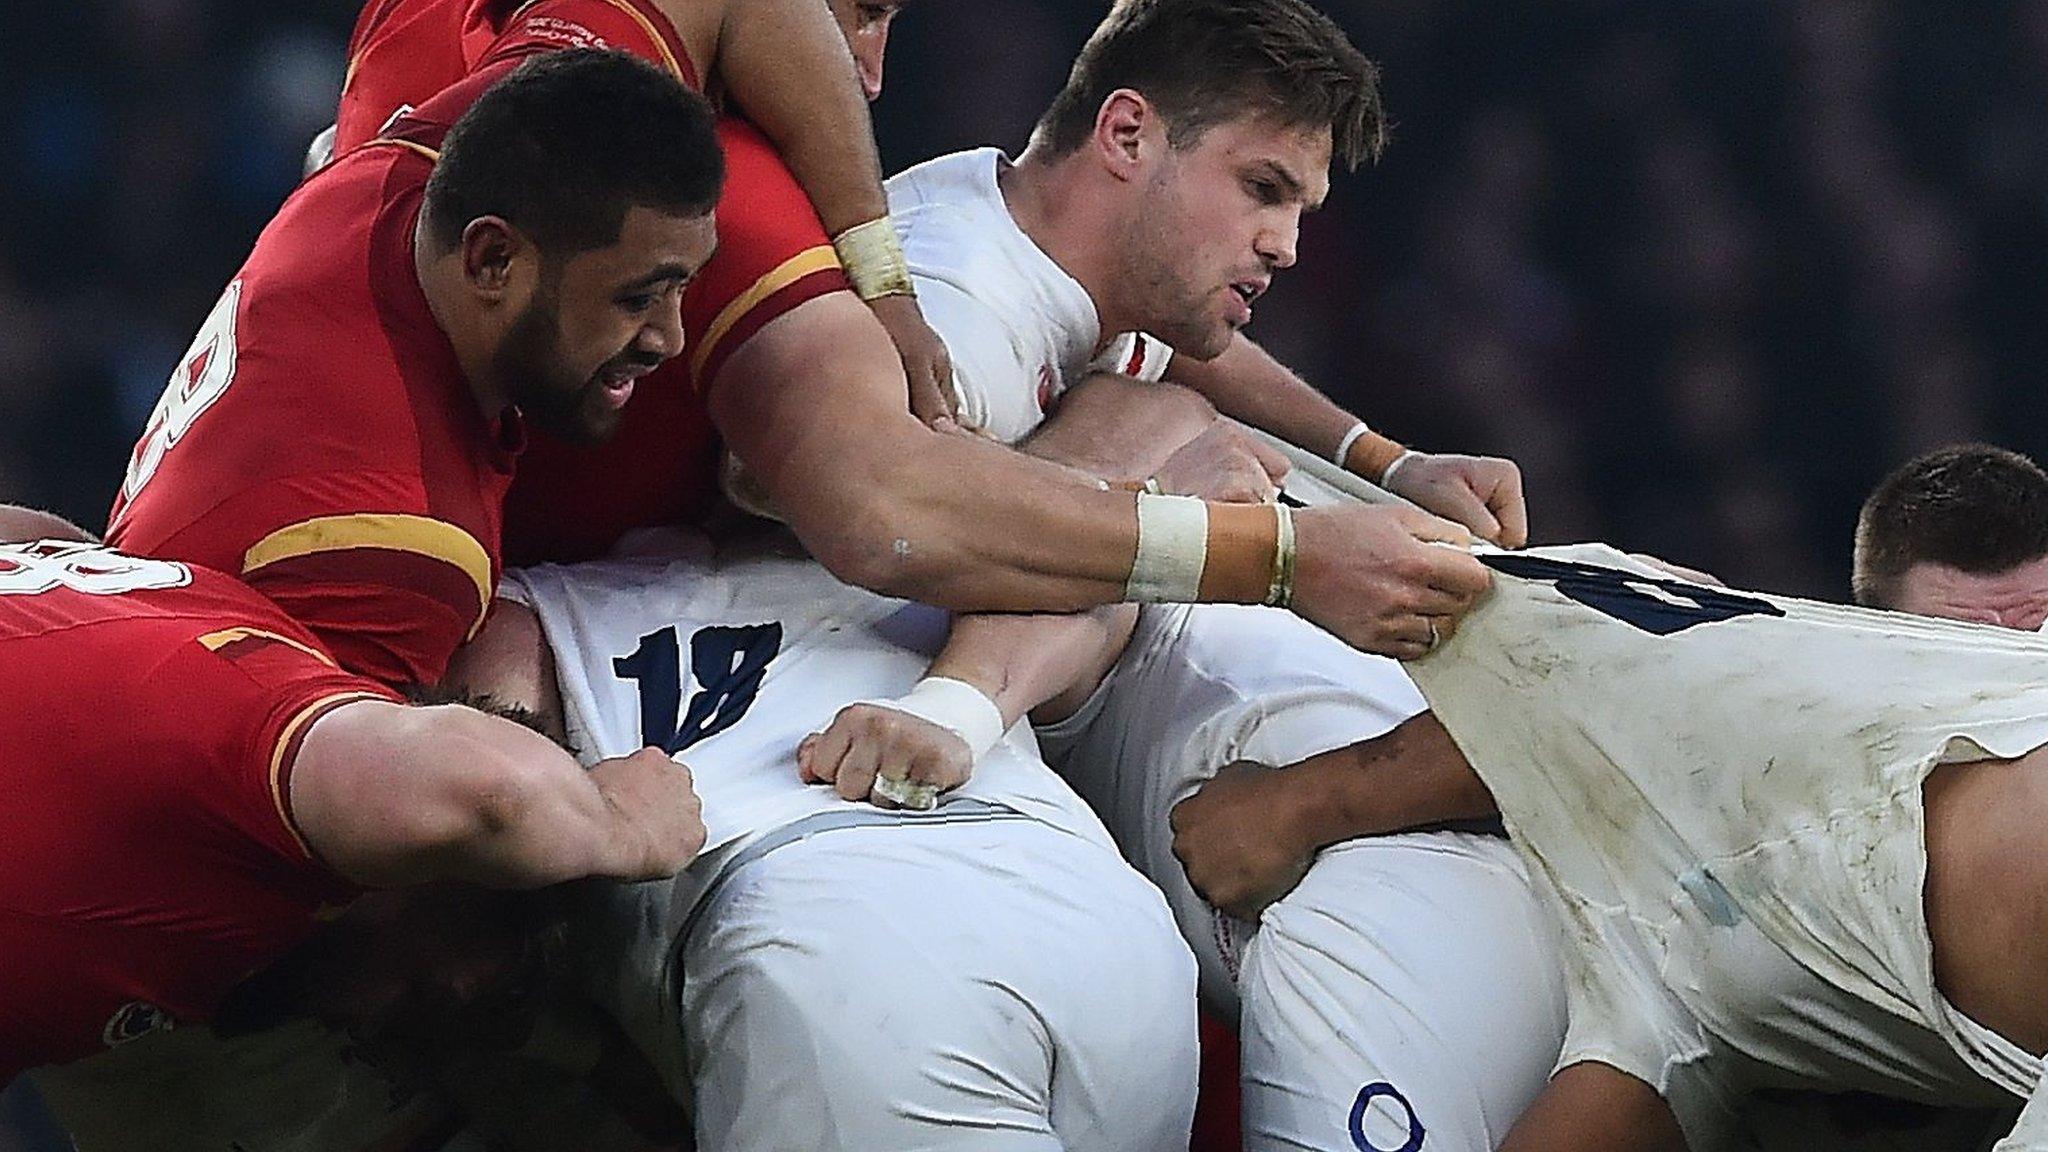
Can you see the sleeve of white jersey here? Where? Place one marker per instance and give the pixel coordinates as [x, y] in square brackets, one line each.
[995, 391]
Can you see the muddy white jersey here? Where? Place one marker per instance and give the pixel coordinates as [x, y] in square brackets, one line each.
[1019, 330]
[1681, 763]
[729, 655]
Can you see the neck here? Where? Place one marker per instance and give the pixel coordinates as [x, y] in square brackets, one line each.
[1050, 199]
[442, 283]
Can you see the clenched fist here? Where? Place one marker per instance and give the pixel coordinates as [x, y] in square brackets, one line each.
[655, 794]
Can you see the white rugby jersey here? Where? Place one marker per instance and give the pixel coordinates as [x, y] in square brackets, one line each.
[1652, 742]
[1018, 328]
[729, 656]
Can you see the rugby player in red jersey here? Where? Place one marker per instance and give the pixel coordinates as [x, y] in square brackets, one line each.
[807, 394]
[194, 784]
[777, 63]
[343, 429]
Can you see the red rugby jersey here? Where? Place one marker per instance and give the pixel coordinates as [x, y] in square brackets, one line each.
[319, 439]
[572, 502]
[402, 52]
[150, 860]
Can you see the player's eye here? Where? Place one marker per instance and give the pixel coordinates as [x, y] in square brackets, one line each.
[1265, 192]
[638, 301]
[875, 13]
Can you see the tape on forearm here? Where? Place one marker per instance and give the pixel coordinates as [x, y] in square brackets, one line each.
[1173, 549]
[1281, 592]
[956, 706]
[873, 259]
[1190, 551]
[1343, 451]
[1364, 452]
[1387, 474]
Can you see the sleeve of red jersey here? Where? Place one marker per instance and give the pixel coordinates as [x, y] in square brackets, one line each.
[391, 594]
[772, 254]
[281, 683]
[634, 26]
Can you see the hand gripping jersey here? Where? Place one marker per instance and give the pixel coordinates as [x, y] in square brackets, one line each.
[572, 502]
[829, 974]
[729, 659]
[1722, 791]
[319, 438]
[1020, 331]
[150, 860]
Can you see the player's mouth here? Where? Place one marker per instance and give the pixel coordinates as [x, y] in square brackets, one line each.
[617, 382]
[1242, 293]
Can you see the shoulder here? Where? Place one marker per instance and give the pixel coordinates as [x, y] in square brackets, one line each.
[772, 254]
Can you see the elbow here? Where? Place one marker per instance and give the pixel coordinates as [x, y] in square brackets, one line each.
[878, 540]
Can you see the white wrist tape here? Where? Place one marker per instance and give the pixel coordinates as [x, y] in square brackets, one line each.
[956, 706]
[872, 255]
[1173, 548]
[1343, 452]
[1387, 477]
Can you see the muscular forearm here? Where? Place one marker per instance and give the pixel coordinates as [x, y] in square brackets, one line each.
[812, 405]
[1247, 384]
[785, 64]
[888, 503]
[389, 795]
[1411, 777]
[1040, 663]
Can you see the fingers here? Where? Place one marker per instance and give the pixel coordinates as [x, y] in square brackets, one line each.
[1458, 502]
[1275, 465]
[1446, 570]
[819, 755]
[931, 389]
[660, 797]
[857, 771]
[865, 743]
[1504, 500]
[1432, 529]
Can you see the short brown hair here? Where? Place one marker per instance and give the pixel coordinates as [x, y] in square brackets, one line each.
[1972, 507]
[1202, 62]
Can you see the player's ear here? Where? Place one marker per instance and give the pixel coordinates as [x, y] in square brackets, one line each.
[491, 250]
[1127, 130]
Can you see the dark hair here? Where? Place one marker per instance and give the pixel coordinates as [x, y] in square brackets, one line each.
[1202, 62]
[568, 143]
[1972, 507]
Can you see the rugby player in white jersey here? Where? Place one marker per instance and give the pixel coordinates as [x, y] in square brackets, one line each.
[989, 975]
[1791, 845]
[1960, 533]
[1406, 988]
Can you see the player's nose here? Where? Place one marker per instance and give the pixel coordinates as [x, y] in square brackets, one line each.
[1277, 243]
[869, 55]
[663, 334]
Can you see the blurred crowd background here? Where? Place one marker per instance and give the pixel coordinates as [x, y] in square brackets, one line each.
[1706, 268]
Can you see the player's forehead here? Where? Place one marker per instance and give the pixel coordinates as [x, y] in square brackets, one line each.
[652, 245]
[1300, 153]
[1938, 589]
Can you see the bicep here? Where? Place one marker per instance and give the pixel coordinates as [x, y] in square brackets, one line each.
[816, 390]
[390, 794]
